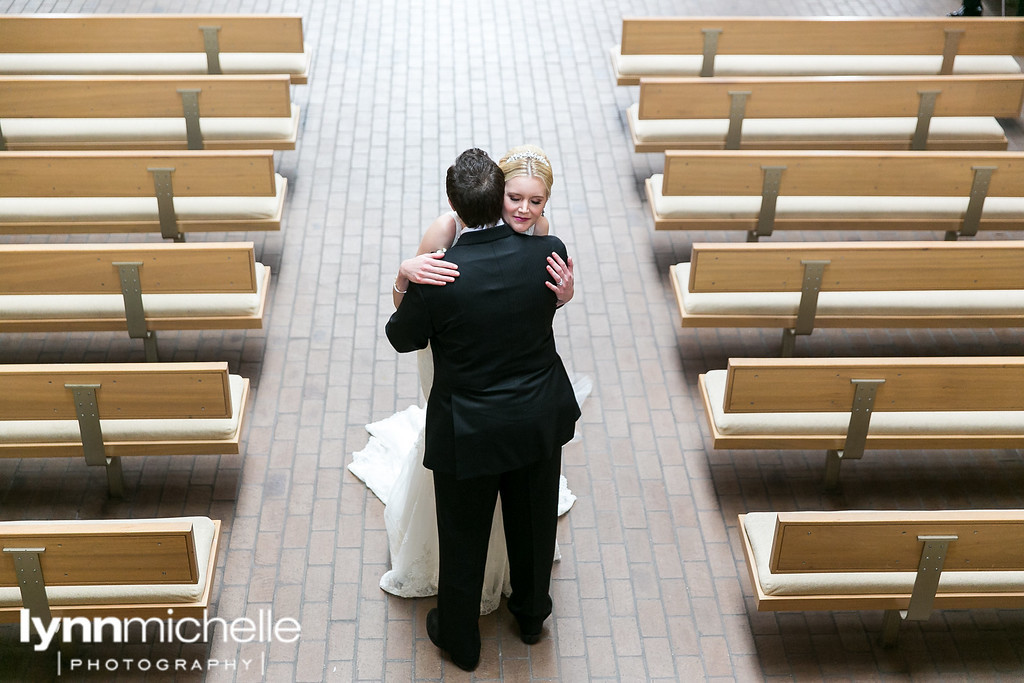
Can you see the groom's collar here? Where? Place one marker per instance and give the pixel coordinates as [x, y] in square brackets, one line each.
[486, 235]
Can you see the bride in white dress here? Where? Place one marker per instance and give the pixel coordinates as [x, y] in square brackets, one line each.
[391, 465]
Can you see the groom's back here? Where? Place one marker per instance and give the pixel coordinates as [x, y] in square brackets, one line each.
[500, 397]
[493, 324]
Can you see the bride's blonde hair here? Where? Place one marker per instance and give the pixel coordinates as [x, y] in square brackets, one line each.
[527, 160]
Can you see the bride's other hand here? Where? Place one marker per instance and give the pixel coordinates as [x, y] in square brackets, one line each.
[562, 274]
[429, 269]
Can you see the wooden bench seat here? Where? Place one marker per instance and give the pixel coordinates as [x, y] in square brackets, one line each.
[147, 112]
[139, 287]
[847, 405]
[145, 568]
[801, 286]
[61, 44]
[907, 563]
[682, 47]
[894, 112]
[959, 193]
[103, 412]
[172, 193]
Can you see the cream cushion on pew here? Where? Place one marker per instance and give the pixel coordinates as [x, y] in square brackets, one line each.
[203, 531]
[685, 66]
[789, 206]
[760, 528]
[226, 128]
[152, 63]
[835, 424]
[71, 209]
[63, 306]
[67, 431]
[896, 128]
[895, 303]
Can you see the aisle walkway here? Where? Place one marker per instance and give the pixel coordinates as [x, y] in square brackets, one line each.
[652, 584]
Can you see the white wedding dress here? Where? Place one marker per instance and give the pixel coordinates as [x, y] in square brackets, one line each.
[391, 465]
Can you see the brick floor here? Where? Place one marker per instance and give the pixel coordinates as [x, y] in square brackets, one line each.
[652, 585]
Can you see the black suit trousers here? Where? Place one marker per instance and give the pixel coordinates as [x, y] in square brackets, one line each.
[465, 509]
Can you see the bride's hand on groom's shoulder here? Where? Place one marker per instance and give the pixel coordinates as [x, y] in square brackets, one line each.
[429, 269]
[562, 274]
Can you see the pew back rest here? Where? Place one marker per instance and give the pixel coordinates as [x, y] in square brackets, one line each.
[796, 385]
[198, 173]
[821, 35]
[887, 541]
[110, 33]
[124, 553]
[830, 97]
[858, 267]
[143, 96]
[42, 269]
[124, 390]
[841, 173]
[153, 33]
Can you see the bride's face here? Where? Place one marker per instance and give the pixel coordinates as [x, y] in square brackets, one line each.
[525, 197]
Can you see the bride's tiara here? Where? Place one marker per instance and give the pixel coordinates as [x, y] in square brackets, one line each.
[529, 155]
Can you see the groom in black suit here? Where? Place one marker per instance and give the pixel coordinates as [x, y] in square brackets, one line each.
[500, 409]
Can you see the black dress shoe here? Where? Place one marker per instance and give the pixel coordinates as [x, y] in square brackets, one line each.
[530, 630]
[434, 633]
[530, 638]
[966, 10]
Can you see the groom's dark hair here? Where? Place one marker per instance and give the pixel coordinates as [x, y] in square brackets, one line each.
[476, 188]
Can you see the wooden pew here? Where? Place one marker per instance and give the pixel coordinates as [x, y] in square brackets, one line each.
[122, 568]
[682, 47]
[800, 286]
[908, 563]
[139, 287]
[960, 193]
[848, 405]
[893, 112]
[147, 112]
[172, 193]
[59, 44]
[107, 411]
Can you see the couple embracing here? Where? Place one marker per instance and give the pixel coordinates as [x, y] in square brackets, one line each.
[500, 405]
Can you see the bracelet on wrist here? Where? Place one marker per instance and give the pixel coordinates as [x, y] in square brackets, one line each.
[397, 290]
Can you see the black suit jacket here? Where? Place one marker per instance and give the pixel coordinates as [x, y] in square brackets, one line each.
[501, 398]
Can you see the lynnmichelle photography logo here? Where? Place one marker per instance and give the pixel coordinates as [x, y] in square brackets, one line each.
[263, 629]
